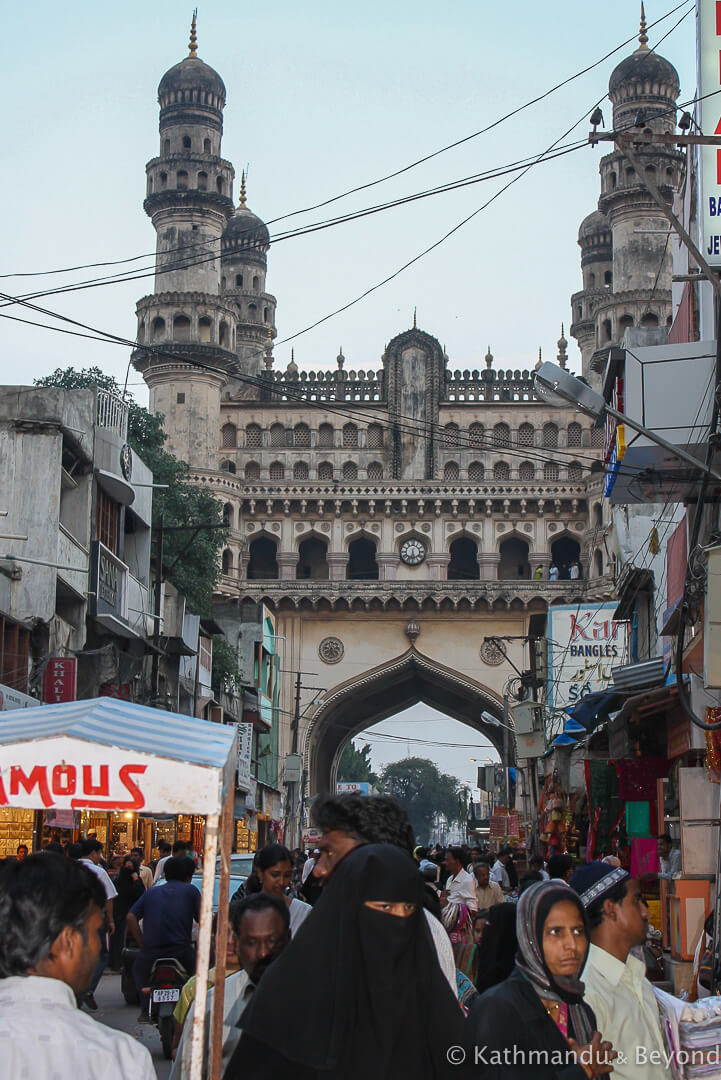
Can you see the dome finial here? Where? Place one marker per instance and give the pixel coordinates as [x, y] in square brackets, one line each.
[415, 323]
[340, 359]
[562, 346]
[242, 190]
[193, 46]
[489, 357]
[643, 36]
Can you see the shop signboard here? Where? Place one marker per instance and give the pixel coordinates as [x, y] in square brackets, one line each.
[585, 643]
[709, 85]
[245, 746]
[352, 787]
[14, 699]
[60, 680]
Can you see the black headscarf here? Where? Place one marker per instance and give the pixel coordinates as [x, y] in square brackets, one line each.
[497, 950]
[359, 992]
[532, 912]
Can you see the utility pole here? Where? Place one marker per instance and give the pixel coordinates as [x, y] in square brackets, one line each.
[155, 668]
[292, 786]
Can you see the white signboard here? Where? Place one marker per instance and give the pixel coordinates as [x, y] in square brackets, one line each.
[64, 773]
[13, 699]
[245, 746]
[709, 107]
[584, 643]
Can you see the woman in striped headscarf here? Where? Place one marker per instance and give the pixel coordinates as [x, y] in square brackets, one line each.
[536, 1023]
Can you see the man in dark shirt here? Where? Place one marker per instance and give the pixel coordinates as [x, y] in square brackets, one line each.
[167, 912]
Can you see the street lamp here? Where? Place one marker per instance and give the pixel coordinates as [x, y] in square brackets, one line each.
[559, 388]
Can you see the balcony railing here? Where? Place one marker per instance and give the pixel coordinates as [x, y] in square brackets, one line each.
[112, 413]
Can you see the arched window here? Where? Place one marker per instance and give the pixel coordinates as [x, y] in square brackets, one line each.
[592, 280]
[350, 436]
[206, 146]
[649, 319]
[186, 142]
[501, 435]
[204, 328]
[598, 562]
[252, 471]
[526, 471]
[277, 435]
[252, 312]
[597, 437]
[463, 565]
[597, 516]
[265, 314]
[565, 552]
[575, 471]
[166, 146]
[325, 471]
[301, 435]
[150, 185]
[514, 563]
[525, 435]
[223, 334]
[550, 471]
[374, 437]
[608, 278]
[550, 436]
[263, 561]
[375, 471]
[157, 328]
[228, 436]
[451, 471]
[181, 180]
[612, 179]
[181, 328]
[475, 434]
[606, 331]
[625, 323]
[202, 181]
[253, 436]
[141, 331]
[227, 466]
[350, 470]
[325, 435]
[362, 565]
[300, 470]
[256, 284]
[501, 471]
[228, 515]
[239, 281]
[227, 561]
[476, 472]
[220, 185]
[276, 470]
[163, 179]
[312, 560]
[451, 436]
[574, 435]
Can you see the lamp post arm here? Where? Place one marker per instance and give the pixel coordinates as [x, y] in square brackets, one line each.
[675, 450]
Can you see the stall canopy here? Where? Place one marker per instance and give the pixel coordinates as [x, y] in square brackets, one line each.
[107, 754]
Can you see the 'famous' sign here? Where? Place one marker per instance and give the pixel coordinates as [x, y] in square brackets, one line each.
[585, 643]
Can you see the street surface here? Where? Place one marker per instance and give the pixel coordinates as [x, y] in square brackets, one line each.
[113, 1012]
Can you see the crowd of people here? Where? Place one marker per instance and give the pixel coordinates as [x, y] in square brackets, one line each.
[367, 957]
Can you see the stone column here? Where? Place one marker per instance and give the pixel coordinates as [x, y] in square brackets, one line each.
[337, 563]
[542, 559]
[489, 561]
[287, 563]
[387, 563]
[438, 565]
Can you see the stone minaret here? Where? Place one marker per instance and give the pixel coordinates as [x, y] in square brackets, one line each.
[244, 265]
[186, 330]
[626, 252]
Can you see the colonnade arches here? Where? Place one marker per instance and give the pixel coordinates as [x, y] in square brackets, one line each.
[383, 691]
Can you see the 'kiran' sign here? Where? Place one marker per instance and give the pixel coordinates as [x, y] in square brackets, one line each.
[585, 643]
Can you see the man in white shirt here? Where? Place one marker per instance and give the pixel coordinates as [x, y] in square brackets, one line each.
[51, 912]
[90, 853]
[499, 872]
[460, 886]
[616, 986]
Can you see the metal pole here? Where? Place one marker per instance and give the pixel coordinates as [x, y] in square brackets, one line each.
[197, 1045]
[221, 937]
[155, 678]
[506, 752]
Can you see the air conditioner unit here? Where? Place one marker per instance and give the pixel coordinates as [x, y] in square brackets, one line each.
[527, 717]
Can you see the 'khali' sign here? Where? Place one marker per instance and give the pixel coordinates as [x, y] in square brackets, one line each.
[709, 73]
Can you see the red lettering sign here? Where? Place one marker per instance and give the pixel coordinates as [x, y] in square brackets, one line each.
[60, 680]
[64, 781]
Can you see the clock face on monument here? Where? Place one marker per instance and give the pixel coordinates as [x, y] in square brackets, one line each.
[413, 552]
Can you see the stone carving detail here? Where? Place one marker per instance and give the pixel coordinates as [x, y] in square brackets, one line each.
[331, 650]
[491, 653]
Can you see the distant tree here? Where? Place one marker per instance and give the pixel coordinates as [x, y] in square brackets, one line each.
[355, 765]
[192, 565]
[424, 791]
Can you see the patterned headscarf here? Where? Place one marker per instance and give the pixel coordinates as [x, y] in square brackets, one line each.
[531, 914]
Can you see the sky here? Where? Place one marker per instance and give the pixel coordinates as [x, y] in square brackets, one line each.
[321, 98]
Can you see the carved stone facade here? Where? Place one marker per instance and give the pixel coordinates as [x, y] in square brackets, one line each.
[359, 502]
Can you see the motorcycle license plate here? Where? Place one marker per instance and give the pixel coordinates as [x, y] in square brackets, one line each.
[166, 995]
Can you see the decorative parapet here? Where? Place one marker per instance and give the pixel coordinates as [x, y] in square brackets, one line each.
[489, 385]
[361, 386]
[393, 594]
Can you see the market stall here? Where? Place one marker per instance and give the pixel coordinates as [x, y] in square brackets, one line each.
[108, 754]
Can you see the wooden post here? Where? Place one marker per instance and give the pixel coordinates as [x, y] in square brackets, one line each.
[221, 937]
[203, 965]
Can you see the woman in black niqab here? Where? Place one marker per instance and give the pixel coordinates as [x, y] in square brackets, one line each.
[358, 993]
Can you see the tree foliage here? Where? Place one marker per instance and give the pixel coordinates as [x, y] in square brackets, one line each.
[355, 765]
[424, 791]
[226, 673]
[191, 564]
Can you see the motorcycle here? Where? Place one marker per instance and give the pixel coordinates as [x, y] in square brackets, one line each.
[167, 978]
